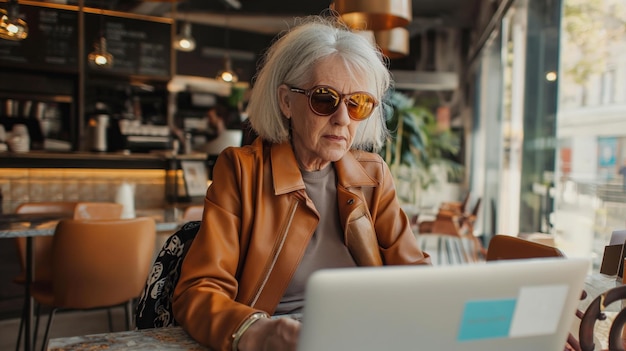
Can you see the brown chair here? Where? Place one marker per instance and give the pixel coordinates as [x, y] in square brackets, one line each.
[506, 247]
[455, 237]
[193, 213]
[98, 264]
[42, 246]
[458, 206]
[594, 312]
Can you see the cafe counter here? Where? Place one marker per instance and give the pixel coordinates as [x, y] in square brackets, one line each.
[157, 178]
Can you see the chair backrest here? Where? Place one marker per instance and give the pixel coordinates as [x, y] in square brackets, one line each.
[193, 213]
[506, 247]
[47, 207]
[595, 312]
[42, 246]
[98, 210]
[99, 263]
[446, 222]
[154, 308]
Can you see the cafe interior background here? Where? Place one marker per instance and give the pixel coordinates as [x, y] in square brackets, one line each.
[534, 90]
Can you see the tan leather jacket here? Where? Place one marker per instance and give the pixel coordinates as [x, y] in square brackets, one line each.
[257, 223]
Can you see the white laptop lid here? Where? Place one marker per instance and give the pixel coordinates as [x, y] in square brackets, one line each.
[228, 137]
[618, 237]
[513, 305]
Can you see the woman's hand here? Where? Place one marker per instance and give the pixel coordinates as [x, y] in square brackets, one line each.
[271, 334]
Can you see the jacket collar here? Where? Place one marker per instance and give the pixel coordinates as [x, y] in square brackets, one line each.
[287, 177]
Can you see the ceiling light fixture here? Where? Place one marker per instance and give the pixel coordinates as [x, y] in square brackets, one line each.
[184, 41]
[374, 14]
[393, 42]
[100, 57]
[227, 75]
[12, 27]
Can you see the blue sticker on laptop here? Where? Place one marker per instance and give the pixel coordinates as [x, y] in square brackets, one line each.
[486, 319]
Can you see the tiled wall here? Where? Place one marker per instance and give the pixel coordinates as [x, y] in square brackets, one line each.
[51, 184]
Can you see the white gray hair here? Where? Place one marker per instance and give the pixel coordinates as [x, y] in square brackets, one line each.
[290, 60]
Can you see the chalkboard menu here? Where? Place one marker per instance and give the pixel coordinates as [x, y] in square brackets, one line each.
[52, 41]
[139, 47]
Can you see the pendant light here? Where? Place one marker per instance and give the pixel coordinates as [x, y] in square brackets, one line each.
[12, 27]
[184, 41]
[394, 43]
[227, 75]
[100, 57]
[374, 14]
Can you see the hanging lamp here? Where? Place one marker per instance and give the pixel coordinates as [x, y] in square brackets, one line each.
[100, 57]
[227, 75]
[184, 41]
[374, 14]
[12, 27]
[394, 43]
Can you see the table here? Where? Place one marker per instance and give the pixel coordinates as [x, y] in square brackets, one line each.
[32, 225]
[162, 339]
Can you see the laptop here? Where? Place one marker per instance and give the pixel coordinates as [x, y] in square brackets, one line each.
[513, 305]
[226, 138]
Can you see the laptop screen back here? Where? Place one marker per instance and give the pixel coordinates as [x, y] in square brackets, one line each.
[516, 305]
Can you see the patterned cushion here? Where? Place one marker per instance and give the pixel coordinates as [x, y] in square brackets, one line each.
[154, 309]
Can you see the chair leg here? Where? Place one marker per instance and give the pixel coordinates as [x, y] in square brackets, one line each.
[38, 312]
[128, 307]
[45, 335]
[21, 330]
[110, 319]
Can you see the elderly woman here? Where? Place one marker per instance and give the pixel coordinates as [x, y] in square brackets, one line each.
[302, 197]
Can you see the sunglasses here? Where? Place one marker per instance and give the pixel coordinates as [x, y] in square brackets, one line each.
[324, 101]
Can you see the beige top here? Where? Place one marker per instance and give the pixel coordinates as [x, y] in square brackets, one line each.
[326, 248]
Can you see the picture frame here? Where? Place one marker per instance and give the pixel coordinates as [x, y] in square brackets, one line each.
[195, 177]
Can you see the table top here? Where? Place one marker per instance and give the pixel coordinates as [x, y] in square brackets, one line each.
[16, 229]
[596, 284]
[159, 339]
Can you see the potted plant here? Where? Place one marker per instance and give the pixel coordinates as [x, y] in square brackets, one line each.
[417, 146]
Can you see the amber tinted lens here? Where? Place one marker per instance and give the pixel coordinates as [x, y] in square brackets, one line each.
[360, 106]
[324, 101]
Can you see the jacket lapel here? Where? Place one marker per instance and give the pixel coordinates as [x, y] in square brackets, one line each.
[359, 234]
[285, 172]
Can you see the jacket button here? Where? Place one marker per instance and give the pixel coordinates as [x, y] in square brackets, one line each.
[350, 202]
